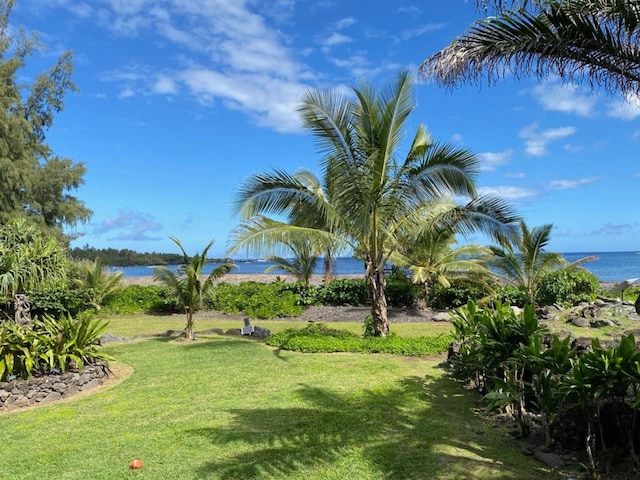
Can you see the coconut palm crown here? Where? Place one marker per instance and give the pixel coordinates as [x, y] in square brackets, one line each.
[376, 189]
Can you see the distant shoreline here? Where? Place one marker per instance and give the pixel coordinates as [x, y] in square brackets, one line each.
[237, 278]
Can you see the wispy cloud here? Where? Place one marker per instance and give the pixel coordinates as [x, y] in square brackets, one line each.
[565, 98]
[613, 229]
[412, 9]
[129, 225]
[419, 31]
[571, 184]
[536, 141]
[334, 39]
[345, 22]
[509, 192]
[489, 161]
[627, 109]
[224, 51]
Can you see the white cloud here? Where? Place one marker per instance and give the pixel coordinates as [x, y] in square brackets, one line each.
[535, 141]
[564, 98]
[509, 192]
[490, 160]
[336, 39]
[627, 109]
[216, 41]
[570, 184]
[418, 32]
[345, 22]
[516, 175]
[457, 138]
[129, 225]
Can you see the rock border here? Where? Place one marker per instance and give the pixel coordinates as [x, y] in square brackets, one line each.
[18, 394]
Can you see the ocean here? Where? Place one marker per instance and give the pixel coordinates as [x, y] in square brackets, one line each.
[609, 266]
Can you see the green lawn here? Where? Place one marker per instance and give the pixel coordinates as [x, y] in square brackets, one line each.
[131, 325]
[233, 408]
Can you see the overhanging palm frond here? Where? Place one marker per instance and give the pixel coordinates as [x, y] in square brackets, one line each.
[592, 41]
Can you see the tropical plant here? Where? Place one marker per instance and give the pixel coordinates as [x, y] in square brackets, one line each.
[376, 191]
[29, 259]
[187, 284]
[93, 277]
[303, 263]
[523, 261]
[590, 41]
[433, 259]
[307, 203]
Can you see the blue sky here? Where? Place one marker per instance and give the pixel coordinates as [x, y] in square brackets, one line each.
[180, 100]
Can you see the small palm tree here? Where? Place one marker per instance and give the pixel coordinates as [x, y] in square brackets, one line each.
[302, 265]
[187, 284]
[94, 278]
[523, 260]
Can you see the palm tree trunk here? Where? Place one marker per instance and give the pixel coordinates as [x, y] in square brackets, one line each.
[188, 330]
[377, 284]
[328, 274]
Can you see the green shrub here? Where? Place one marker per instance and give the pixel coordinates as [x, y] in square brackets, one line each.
[306, 293]
[50, 344]
[317, 338]
[401, 291]
[457, 295]
[511, 295]
[140, 299]
[568, 287]
[344, 291]
[59, 302]
[257, 300]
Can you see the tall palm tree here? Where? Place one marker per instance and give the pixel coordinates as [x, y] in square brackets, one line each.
[306, 202]
[523, 260]
[376, 190]
[187, 284]
[591, 41]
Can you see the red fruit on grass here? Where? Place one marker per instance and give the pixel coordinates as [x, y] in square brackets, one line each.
[137, 463]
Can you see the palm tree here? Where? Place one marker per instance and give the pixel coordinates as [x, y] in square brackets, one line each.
[99, 283]
[524, 261]
[433, 258]
[375, 190]
[188, 284]
[303, 263]
[303, 199]
[591, 41]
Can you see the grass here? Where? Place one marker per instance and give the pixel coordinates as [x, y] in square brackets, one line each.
[233, 408]
[131, 325]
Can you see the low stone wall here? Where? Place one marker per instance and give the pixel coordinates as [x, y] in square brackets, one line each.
[34, 391]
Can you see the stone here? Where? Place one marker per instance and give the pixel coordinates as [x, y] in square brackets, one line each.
[60, 387]
[579, 322]
[52, 397]
[260, 332]
[110, 338]
[233, 331]
[601, 322]
[441, 317]
[210, 331]
[551, 460]
[91, 384]
[528, 450]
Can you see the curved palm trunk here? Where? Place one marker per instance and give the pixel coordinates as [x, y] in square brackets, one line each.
[377, 284]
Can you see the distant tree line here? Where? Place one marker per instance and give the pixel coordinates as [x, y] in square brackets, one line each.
[127, 258]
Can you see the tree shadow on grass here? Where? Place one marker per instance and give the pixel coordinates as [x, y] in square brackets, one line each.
[422, 428]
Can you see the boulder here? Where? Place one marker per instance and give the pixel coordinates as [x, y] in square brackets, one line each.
[441, 317]
[551, 460]
[234, 331]
[579, 322]
[601, 322]
[110, 338]
[260, 332]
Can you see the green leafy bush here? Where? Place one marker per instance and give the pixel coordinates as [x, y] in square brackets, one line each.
[511, 295]
[59, 302]
[457, 295]
[50, 343]
[344, 291]
[257, 300]
[139, 299]
[401, 291]
[568, 287]
[317, 338]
